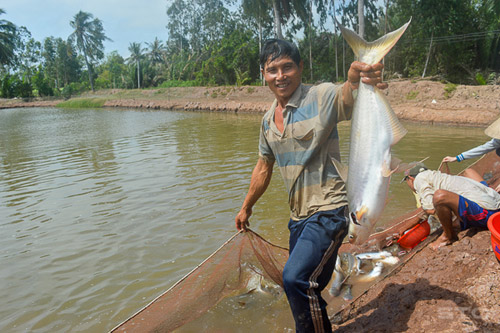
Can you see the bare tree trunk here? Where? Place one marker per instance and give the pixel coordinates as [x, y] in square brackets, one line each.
[385, 32]
[361, 18]
[260, 44]
[260, 51]
[89, 71]
[310, 40]
[343, 59]
[335, 42]
[336, 57]
[428, 55]
[138, 75]
[277, 21]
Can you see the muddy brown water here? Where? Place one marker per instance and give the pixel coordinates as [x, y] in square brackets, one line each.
[103, 210]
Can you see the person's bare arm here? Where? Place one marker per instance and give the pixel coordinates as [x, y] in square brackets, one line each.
[261, 176]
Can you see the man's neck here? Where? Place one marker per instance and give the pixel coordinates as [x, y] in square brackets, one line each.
[278, 118]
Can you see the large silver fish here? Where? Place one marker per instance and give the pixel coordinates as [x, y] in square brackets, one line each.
[374, 129]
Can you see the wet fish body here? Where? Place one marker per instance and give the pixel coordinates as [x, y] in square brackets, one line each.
[348, 263]
[375, 273]
[374, 130]
[348, 270]
[390, 260]
[337, 280]
[374, 255]
[347, 292]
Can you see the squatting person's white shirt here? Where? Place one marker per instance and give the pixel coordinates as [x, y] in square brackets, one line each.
[427, 182]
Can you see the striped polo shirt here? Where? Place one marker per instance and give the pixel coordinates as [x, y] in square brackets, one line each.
[304, 152]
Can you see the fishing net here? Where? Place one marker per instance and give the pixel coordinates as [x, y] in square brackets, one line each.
[229, 271]
[246, 258]
[239, 266]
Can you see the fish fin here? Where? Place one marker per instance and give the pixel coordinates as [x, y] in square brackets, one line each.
[386, 170]
[397, 166]
[397, 129]
[361, 212]
[342, 169]
[395, 163]
[372, 52]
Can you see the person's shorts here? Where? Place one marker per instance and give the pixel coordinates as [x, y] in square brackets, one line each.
[472, 215]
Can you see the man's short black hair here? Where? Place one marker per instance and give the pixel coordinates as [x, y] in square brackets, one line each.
[277, 48]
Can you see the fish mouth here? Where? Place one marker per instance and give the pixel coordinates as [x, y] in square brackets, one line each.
[354, 219]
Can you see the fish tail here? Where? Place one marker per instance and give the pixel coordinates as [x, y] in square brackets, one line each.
[372, 52]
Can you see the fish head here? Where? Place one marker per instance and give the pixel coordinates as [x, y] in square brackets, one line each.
[360, 226]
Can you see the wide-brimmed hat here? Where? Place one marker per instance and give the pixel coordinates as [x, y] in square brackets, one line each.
[493, 130]
[414, 171]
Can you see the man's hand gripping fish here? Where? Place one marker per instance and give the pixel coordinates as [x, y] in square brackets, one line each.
[375, 128]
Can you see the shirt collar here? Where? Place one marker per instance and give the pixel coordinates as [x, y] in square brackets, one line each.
[296, 97]
[293, 102]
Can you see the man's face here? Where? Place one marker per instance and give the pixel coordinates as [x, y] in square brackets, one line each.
[409, 181]
[283, 77]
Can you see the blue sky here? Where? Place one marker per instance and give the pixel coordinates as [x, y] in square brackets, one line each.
[124, 21]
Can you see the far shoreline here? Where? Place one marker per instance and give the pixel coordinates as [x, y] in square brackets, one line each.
[422, 101]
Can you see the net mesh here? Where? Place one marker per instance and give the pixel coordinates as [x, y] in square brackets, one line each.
[227, 272]
[231, 270]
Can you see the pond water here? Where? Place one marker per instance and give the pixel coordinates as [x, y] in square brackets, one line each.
[103, 210]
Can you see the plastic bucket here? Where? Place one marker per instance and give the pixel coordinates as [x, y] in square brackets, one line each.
[415, 235]
[494, 226]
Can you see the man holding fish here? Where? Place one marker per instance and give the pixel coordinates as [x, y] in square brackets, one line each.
[299, 132]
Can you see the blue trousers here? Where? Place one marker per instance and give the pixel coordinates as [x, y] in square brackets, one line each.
[314, 243]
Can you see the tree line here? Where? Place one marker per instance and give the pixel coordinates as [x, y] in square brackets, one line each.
[217, 42]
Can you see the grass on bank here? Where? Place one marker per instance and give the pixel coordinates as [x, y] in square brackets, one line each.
[83, 103]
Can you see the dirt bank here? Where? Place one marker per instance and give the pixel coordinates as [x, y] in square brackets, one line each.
[420, 101]
[454, 289]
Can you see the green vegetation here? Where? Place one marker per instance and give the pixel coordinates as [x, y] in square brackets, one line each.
[480, 79]
[85, 103]
[216, 43]
[412, 95]
[449, 88]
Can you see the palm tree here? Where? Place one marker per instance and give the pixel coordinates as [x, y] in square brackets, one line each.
[156, 51]
[283, 9]
[136, 57]
[259, 10]
[89, 36]
[7, 40]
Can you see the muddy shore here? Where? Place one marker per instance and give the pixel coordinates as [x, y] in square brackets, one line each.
[456, 288]
[453, 289]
